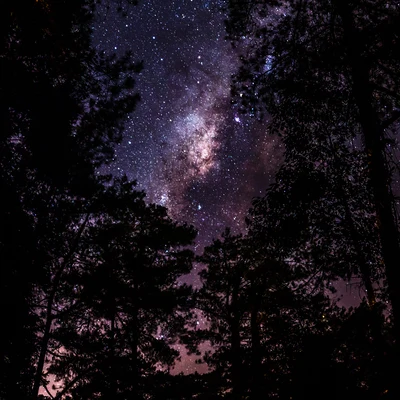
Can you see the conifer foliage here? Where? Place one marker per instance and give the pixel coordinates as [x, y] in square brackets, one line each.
[128, 308]
[317, 64]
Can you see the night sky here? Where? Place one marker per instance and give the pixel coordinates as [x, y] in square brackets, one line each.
[185, 144]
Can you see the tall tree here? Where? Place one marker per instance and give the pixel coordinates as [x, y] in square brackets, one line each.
[133, 308]
[62, 106]
[320, 213]
[258, 315]
[329, 61]
[221, 299]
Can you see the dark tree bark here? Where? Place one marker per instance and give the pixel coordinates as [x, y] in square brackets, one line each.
[256, 375]
[235, 345]
[373, 134]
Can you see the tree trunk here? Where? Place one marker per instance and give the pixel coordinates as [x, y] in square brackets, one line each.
[49, 312]
[113, 387]
[256, 383]
[380, 180]
[378, 169]
[46, 336]
[235, 345]
[135, 358]
[134, 342]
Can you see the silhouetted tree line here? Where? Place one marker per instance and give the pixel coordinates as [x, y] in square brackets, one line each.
[91, 303]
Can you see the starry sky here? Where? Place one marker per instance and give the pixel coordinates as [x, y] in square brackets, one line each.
[186, 144]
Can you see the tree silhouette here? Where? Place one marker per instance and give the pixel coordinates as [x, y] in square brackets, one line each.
[258, 315]
[320, 213]
[328, 62]
[133, 308]
[221, 299]
[62, 106]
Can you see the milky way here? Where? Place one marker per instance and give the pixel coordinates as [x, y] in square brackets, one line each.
[185, 144]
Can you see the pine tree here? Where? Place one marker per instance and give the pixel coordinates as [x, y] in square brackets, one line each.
[133, 309]
[258, 315]
[320, 213]
[221, 299]
[335, 63]
[62, 106]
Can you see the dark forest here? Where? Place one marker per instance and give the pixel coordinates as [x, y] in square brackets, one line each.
[102, 287]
